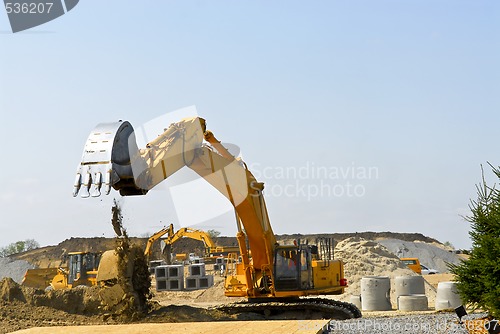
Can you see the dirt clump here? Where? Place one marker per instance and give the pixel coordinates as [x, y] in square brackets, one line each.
[10, 290]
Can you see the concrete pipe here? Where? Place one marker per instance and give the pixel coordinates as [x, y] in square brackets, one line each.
[356, 300]
[409, 285]
[376, 293]
[447, 296]
[409, 303]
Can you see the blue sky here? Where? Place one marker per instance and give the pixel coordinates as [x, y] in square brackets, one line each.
[409, 88]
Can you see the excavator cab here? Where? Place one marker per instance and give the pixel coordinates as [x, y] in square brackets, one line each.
[292, 268]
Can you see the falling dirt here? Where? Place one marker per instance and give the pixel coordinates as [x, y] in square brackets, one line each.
[128, 294]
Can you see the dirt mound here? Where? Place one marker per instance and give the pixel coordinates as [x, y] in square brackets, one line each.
[80, 300]
[410, 237]
[17, 315]
[10, 290]
[369, 258]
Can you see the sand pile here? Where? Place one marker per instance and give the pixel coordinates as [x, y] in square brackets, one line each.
[368, 258]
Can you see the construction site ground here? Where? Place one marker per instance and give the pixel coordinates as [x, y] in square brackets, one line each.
[30, 311]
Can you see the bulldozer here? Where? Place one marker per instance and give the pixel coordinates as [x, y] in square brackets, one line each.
[272, 277]
[82, 268]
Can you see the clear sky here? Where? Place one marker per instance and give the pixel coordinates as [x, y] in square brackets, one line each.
[396, 100]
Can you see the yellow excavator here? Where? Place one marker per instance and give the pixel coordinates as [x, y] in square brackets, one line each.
[172, 237]
[276, 276]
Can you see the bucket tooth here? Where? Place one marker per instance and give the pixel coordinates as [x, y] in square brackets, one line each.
[77, 184]
[96, 189]
[84, 191]
[107, 182]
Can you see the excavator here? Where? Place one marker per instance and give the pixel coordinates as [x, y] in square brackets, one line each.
[172, 237]
[275, 277]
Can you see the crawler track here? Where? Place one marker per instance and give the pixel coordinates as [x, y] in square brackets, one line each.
[306, 308]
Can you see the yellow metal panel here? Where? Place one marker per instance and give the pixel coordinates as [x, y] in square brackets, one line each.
[327, 273]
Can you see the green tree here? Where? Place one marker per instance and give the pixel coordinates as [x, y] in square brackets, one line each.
[18, 247]
[449, 244]
[479, 276]
[213, 234]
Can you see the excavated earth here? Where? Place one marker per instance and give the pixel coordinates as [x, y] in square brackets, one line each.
[22, 307]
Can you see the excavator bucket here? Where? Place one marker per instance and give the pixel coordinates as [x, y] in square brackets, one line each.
[111, 157]
[107, 161]
[108, 267]
[121, 279]
[111, 292]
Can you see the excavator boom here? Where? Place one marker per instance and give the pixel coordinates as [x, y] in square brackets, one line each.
[136, 171]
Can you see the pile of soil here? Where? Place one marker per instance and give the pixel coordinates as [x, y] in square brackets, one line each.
[80, 300]
[369, 258]
[22, 308]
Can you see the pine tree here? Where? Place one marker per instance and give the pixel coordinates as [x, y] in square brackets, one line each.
[479, 276]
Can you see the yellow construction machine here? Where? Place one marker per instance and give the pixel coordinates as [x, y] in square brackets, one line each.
[275, 276]
[211, 248]
[172, 237]
[81, 269]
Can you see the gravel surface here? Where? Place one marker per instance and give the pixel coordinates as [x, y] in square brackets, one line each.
[436, 323]
[14, 269]
[429, 255]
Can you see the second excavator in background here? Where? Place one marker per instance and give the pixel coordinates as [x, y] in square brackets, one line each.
[169, 237]
[275, 276]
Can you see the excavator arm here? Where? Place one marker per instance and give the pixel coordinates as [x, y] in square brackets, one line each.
[111, 158]
[157, 235]
[191, 233]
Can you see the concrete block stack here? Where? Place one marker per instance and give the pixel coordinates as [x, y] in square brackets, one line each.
[219, 262]
[169, 277]
[197, 278]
